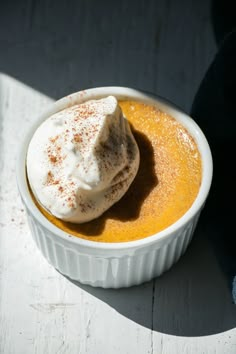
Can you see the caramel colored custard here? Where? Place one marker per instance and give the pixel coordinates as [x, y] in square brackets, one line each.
[165, 187]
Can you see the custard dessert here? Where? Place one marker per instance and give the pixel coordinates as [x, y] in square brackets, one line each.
[163, 185]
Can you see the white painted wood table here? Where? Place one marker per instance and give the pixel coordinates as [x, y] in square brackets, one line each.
[187, 310]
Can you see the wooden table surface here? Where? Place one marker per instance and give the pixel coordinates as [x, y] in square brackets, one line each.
[49, 49]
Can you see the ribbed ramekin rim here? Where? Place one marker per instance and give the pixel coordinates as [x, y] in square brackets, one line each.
[187, 121]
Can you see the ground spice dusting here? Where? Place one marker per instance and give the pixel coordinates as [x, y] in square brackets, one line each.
[54, 152]
[84, 207]
[79, 138]
[54, 139]
[50, 178]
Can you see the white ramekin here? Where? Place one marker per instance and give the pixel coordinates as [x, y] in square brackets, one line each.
[115, 265]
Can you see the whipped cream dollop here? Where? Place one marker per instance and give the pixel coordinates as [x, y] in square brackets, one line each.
[82, 160]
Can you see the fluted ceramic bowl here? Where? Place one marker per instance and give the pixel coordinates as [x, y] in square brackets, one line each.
[115, 265]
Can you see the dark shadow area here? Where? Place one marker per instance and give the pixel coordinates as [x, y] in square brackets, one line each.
[214, 110]
[62, 47]
[223, 18]
[128, 208]
[191, 299]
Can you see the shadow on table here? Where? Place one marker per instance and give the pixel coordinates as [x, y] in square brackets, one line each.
[191, 299]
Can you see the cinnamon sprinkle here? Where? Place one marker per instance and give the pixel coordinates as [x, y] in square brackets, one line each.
[77, 138]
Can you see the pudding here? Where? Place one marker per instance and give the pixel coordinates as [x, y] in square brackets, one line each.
[143, 234]
[166, 184]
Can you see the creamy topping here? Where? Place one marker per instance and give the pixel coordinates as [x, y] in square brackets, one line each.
[82, 160]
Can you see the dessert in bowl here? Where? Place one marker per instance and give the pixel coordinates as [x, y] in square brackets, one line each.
[134, 216]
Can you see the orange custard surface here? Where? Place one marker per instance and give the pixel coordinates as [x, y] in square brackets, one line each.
[165, 187]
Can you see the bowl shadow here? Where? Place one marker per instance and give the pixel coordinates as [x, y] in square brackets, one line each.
[191, 299]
